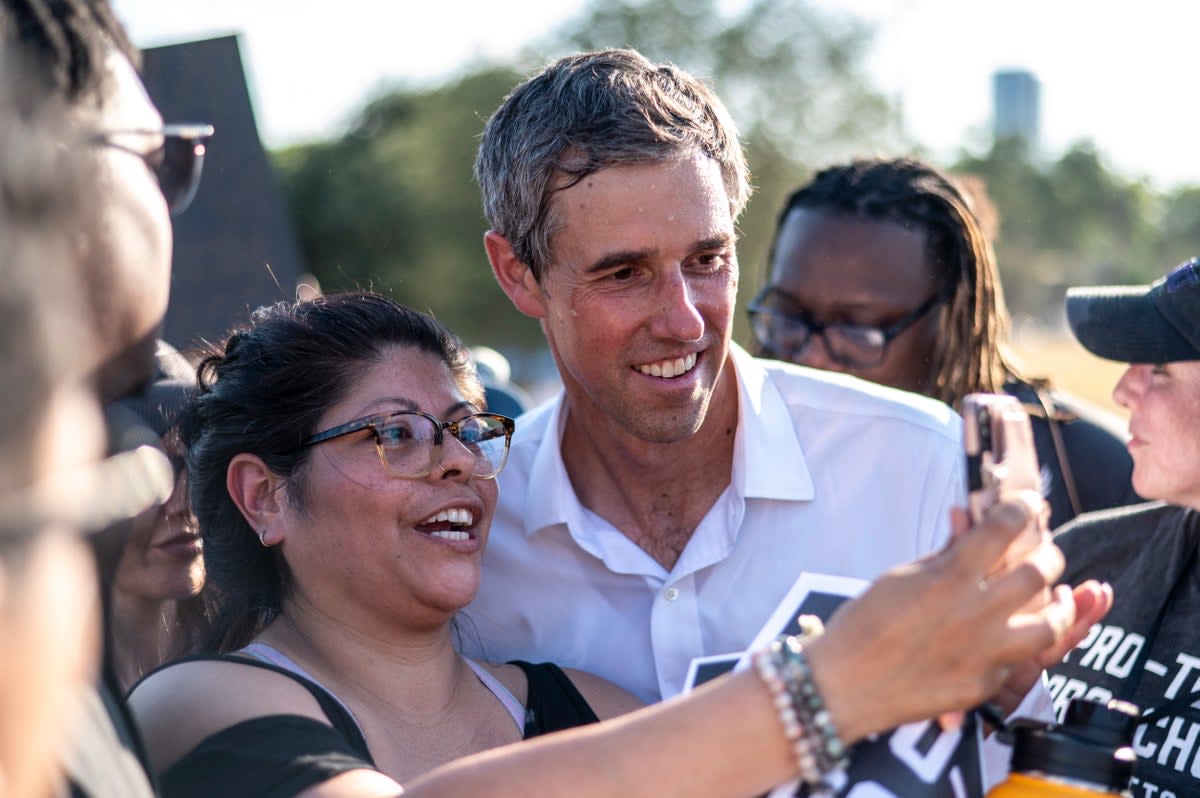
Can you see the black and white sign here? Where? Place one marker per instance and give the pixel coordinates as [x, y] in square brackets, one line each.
[920, 760]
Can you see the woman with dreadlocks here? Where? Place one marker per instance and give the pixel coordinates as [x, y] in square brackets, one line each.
[889, 263]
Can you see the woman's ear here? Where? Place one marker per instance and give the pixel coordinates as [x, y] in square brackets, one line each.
[514, 276]
[255, 489]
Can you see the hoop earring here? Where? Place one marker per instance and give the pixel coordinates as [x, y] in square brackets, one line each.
[262, 538]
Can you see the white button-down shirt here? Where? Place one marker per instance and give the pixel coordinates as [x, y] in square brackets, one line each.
[830, 475]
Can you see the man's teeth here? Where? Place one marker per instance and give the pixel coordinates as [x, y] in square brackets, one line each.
[458, 517]
[669, 368]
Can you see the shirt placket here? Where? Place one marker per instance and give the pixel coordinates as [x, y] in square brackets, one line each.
[675, 632]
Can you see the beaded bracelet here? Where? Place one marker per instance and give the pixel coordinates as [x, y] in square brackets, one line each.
[806, 722]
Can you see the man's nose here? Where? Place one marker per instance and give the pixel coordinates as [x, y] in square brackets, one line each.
[676, 315]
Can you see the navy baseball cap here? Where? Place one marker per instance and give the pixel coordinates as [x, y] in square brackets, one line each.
[1156, 323]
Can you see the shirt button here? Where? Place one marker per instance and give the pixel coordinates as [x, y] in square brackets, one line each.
[670, 594]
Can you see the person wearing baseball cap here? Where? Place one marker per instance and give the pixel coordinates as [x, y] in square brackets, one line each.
[1150, 642]
[1156, 323]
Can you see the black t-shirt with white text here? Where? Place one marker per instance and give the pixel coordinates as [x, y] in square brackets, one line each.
[1147, 553]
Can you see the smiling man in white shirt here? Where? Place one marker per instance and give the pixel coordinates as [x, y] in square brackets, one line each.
[663, 504]
[827, 475]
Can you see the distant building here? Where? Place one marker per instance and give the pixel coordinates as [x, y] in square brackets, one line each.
[1016, 102]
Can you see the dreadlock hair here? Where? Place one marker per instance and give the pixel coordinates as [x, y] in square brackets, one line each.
[972, 353]
[65, 42]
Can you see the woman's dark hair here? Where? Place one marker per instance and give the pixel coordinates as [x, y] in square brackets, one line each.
[972, 352]
[263, 392]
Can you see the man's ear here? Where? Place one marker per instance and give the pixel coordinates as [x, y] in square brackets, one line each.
[256, 490]
[514, 276]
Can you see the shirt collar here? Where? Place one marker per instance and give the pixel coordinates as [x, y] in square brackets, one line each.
[549, 495]
[768, 461]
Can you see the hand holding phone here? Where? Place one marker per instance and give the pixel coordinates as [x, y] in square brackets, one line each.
[1002, 461]
[1001, 458]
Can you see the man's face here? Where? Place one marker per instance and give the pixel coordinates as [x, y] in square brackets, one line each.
[122, 232]
[638, 302]
[839, 269]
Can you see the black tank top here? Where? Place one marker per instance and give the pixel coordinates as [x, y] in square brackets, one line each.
[278, 756]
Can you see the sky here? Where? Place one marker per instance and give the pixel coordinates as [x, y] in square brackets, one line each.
[1119, 74]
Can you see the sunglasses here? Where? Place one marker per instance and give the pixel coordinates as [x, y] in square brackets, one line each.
[174, 154]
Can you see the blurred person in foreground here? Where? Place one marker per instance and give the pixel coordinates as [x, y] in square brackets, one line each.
[344, 436]
[51, 437]
[1148, 649]
[884, 269]
[89, 175]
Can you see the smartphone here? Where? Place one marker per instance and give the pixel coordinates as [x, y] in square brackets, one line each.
[1001, 458]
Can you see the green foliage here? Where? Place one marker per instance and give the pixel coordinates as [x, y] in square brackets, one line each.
[393, 205]
[1180, 231]
[1070, 222]
[792, 76]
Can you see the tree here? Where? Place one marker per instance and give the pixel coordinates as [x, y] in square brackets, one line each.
[1071, 222]
[1180, 232]
[791, 75]
[393, 204]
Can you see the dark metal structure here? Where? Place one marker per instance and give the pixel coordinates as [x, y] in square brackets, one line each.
[235, 247]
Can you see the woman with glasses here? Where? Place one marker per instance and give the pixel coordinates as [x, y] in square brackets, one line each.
[341, 467]
[884, 269]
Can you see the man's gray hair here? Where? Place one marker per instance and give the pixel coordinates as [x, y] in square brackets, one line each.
[586, 112]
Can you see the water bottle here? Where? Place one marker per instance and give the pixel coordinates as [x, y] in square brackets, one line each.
[1088, 755]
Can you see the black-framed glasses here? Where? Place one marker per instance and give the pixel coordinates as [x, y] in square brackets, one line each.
[409, 442]
[173, 153]
[785, 335]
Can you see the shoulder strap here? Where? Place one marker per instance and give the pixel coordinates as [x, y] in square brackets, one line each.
[515, 708]
[1177, 704]
[1041, 388]
[554, 702]
[338, 716]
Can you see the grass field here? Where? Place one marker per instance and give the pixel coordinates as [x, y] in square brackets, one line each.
[1070, 367]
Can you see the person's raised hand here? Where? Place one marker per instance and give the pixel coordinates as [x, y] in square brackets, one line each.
[944, 633]
[1093, 600]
